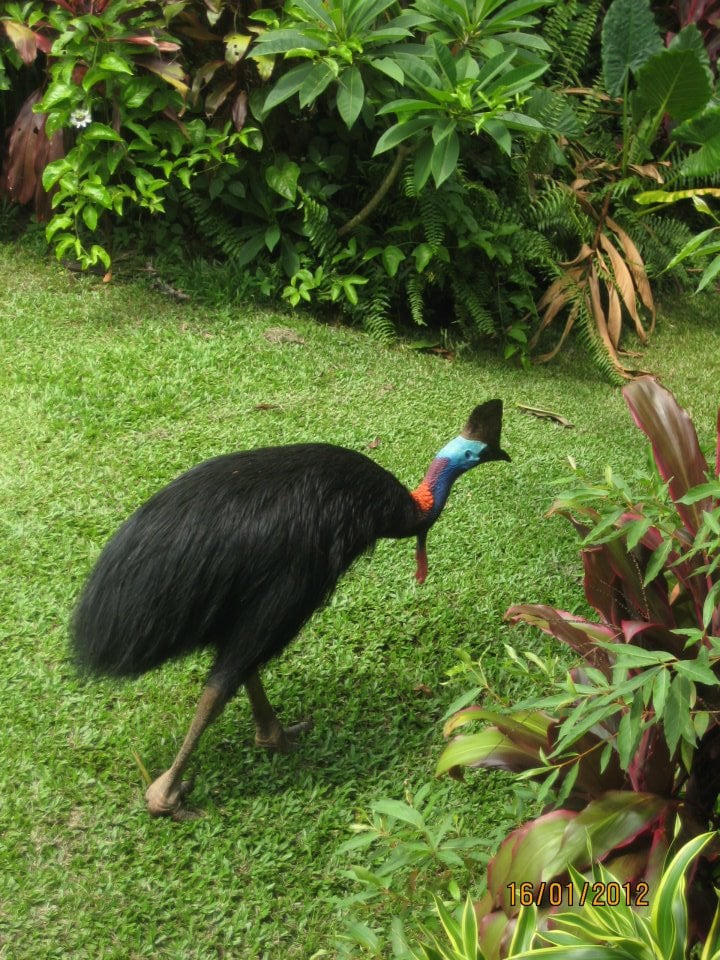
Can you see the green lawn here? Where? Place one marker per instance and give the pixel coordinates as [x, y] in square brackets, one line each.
[110, 391]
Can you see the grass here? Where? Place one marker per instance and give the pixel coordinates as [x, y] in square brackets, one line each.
[107, 393]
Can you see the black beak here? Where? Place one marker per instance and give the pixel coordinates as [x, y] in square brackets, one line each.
[497, 454]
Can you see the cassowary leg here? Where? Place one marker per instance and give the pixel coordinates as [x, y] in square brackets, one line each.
[165, 795]
[269, 732]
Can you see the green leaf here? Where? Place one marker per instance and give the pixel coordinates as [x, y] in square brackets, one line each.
[351, 95]
[400, 811]
[445, 61]
[673, 82]
[489, 748]
[709, 274]
[390, 68]
[421, 164]
[669, 907]
[629, 37]
[661, 685]
[423, 254]
[249, 250]
[320, 77]
[56, 94]
[272, 237]
[677, 710]
[283, 40]
[444, 158]
[657, 561]
[283, 179]
[90, 216]
[400, 132]
[392, 257]
[100, 131]
[630, 731]
[286, 86]
[115, 64]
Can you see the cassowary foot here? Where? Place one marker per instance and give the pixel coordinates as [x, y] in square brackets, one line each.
[279, 739]
[165, 798]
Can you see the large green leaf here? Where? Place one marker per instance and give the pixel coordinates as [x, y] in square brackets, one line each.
[444, 158]
[286, 86]
[399, 132]
[351, 95]
[489, 748]
[319, 78]
[283, 177]
[283, 40]
[629, 37]
[673, 82]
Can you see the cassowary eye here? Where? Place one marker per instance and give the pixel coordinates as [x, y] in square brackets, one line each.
[467, 454]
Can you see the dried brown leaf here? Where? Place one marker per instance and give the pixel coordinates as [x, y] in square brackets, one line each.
[625, 284]
[601, 321]
[614, 315]
[637, 268]
[569, 323]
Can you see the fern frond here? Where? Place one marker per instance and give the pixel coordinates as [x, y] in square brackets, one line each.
[415, 299]
[432, 217]
[472, 308]
[319, 230]
[377, 314]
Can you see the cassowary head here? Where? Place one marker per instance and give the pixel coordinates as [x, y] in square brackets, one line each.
[479, 442]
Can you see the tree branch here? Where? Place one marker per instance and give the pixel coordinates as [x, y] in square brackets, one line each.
[378, 196]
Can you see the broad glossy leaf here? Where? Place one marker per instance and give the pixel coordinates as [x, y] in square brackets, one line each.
[674, 442]
[283, 40]
[491, 748]
[351, 95]
[528, 855]
[319, 78]
[115, 64]
[609, 822]
[286, 86]
[673, 82]
[392, 257]
[400, 132]
[444, 158]
[101, 131]
[629, 37]
[283, 178]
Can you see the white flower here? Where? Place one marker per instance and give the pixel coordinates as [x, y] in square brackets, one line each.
[80, 118]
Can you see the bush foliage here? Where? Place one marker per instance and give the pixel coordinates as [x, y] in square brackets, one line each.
[403, 162]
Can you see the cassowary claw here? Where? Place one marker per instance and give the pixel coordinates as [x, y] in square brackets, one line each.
[281, 739]
[164, 799]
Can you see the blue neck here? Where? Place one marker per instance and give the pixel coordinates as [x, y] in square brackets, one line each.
[456, 457]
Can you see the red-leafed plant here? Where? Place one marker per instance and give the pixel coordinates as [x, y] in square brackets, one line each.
[629, 743]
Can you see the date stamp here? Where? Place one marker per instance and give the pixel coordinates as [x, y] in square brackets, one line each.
[591, 893]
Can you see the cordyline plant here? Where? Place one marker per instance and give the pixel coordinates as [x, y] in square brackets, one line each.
[630, 741]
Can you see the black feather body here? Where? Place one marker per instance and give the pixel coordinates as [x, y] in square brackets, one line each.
[235, 554]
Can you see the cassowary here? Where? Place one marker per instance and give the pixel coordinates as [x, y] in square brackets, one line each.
[237, 553]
